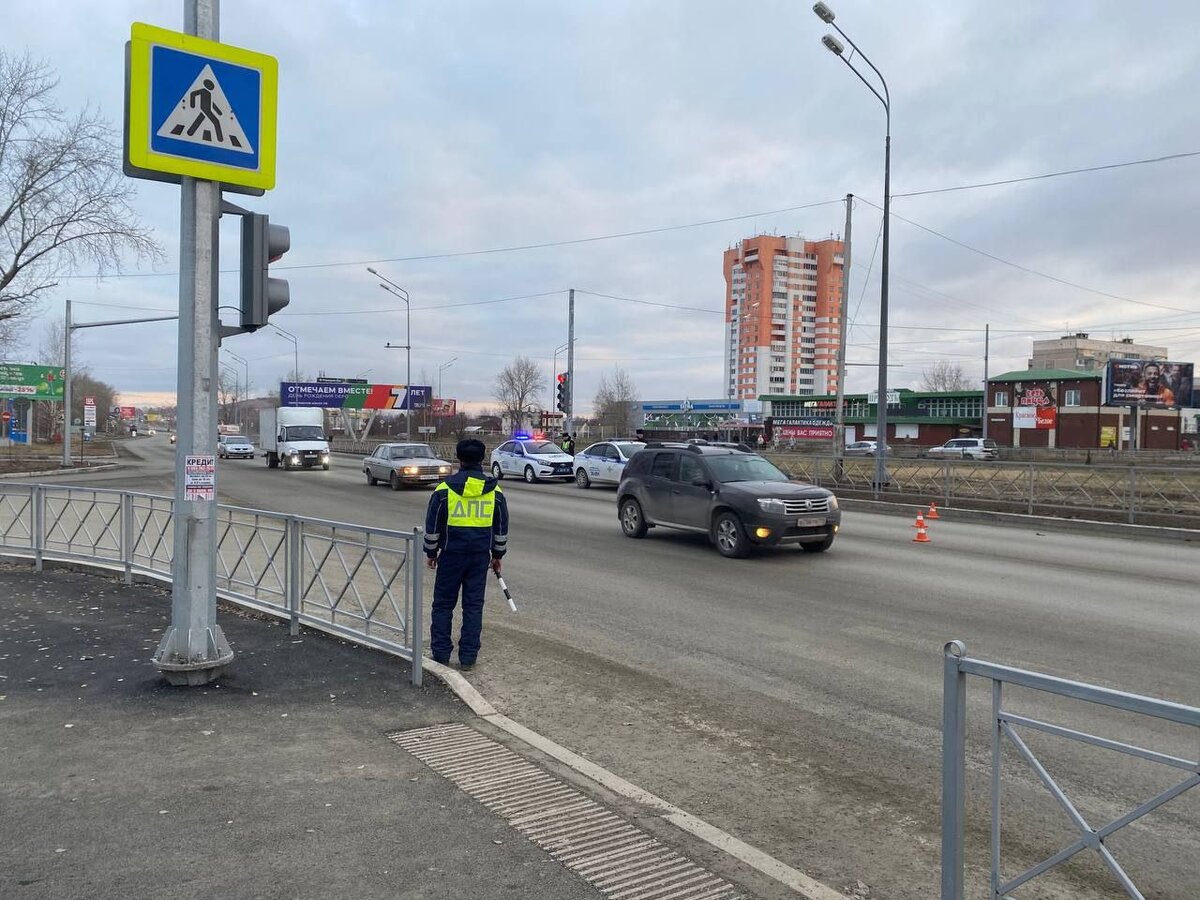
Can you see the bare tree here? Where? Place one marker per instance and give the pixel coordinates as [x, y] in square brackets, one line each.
[615, 401]
[518, 386]
[945, 376]
[227, 397]
[64, 201]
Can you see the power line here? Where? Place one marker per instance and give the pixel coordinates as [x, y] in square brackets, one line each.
[491, 250]
[1028, 270]
[702, 309]
[984, 184]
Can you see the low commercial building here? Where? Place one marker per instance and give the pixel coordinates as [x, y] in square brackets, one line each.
[1059, 408]
[915, 418]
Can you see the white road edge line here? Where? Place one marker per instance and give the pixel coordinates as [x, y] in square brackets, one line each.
[806, 887]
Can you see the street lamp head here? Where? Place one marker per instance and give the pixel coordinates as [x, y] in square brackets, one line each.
[833, 44]
[372, 271]
[824, 13]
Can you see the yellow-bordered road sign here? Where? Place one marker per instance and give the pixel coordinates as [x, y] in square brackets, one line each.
[200, 108]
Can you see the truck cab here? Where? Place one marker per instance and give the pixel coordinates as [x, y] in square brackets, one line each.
[294, 438]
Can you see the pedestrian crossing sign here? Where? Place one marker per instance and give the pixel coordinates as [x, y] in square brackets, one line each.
[200, 108]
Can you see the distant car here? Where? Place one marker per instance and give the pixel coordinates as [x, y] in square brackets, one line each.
[966, 448]
[739, 499]
[405, 465]
[864, 448]
[604, 462]
[532, 460]
[233, 446]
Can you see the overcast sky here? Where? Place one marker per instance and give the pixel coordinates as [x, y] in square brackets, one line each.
[417, 129]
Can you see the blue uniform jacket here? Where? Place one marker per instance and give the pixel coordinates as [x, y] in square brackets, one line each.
[467, 513]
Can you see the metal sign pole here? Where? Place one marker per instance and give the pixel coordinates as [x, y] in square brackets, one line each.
[66, 460]
[194, 650]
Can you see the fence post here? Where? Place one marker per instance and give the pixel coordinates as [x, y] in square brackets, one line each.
[295, 539]
[954, 787]
[38, 531]
[127, 538]
[946, 482]
[416, 637]
[1032, 478]
[1132, 495]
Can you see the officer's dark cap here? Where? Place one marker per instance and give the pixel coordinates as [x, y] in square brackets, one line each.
[469, 451]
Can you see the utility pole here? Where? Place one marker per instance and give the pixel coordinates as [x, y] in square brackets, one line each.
[194, 649]
[839, 430]
[66, 460]
[987, 337]
[570, 420]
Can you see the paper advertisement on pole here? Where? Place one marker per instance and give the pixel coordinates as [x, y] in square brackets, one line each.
[200, 478]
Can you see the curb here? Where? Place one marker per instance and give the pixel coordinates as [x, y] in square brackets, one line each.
[805, 886]
[103, 467]
[1022, 520]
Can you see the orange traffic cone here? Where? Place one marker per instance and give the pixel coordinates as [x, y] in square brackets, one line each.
[922, 536]
[920, 523]
[933, 513]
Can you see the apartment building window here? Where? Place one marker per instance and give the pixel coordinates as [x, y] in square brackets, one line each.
[1073, 398]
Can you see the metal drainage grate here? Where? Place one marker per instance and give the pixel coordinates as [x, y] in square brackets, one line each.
[622, 861]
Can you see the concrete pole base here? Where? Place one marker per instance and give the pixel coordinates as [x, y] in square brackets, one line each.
[181, 666]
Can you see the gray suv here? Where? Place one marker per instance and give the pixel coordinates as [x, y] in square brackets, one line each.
[736, 497]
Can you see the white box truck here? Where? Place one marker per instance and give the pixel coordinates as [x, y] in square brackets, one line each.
[293, 437]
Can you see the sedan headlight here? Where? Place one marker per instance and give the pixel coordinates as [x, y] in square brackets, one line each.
[444, 470]
[772, 505]
[411, 470]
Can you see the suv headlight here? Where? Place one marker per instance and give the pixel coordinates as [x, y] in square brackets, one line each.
[833, 504]
[772, 505]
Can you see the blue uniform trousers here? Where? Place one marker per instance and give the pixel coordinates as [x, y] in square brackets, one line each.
[466, 572]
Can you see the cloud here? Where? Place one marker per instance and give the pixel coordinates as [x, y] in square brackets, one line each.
[412, 130]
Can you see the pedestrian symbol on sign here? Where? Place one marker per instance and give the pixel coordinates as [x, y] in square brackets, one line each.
[203, 116]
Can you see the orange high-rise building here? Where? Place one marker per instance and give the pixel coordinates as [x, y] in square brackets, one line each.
[783, 298]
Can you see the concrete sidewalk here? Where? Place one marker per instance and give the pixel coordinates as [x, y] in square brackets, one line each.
[278, 783]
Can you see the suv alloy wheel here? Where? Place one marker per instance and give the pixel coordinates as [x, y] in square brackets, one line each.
[728, 536]
[633, 522]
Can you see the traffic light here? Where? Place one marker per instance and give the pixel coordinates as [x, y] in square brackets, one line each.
[563, 392]
[262, 244]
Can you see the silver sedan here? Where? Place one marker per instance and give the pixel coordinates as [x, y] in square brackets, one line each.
[405, 464]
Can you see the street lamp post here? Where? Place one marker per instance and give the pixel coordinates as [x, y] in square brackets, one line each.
[287, 335]
[394, 289]
[245, 384]
[825, 14]
[441, 369]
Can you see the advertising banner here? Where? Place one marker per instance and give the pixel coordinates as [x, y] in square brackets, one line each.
[199, 478]
[127, 412]
[346, 395]
[443, 408]
[1042, 418]
[32, 382]
[1036, 395]
[1108, 435]
[89, 412]
[789, 429]
[1140, 382]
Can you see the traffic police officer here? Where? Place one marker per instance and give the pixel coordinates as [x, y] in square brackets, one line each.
[466, 525]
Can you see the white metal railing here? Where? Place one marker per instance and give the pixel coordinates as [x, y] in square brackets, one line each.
[359, 582]
[1006, 724]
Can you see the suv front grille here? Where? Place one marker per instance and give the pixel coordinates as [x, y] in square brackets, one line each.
[801, 507]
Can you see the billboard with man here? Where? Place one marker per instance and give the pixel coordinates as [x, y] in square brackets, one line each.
[1155, 382]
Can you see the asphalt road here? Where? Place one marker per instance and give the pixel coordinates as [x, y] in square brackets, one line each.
[794, 699]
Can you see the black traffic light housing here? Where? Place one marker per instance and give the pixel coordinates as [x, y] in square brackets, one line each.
[563, 392]
[262, 244]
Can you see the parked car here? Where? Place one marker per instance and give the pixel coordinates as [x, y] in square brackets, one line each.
[738, 498]
[230, 446]
[604, 462]
[533, 460]
[864, 448]
[405, 464]
[965, 448]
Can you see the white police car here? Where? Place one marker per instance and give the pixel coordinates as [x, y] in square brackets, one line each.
[533, 460]
[604, 462]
